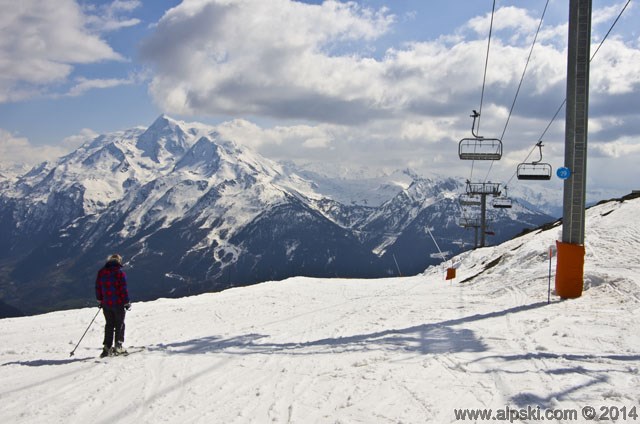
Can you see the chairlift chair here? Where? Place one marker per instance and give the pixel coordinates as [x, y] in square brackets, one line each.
[536, 170]
[469, 222]
[482, 188]
[469, 200]
[479, 148]
[502, 201]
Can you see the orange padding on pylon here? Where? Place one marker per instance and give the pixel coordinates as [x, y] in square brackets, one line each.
[569, 270]
[451, 273]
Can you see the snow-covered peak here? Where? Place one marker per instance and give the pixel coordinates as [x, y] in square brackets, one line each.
[164, 124]
[353, 186]
[202, 157]
[164, 140]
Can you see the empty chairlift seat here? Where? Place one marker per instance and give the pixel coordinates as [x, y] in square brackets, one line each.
[534, 171]
[469, 200]
[480, 149]
[501, 203]
[469, 222]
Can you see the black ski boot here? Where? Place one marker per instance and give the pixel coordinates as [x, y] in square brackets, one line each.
[106, 351]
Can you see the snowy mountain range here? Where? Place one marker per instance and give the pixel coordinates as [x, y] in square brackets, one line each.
[192, 212]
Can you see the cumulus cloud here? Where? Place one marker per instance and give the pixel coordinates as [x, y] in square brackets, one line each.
[509, 18]
[615, 70]
[623, 147]
[315, 71]
[18, 150]
[42, 41]
[308, 62]
[277, 58]
[299, 61]
[313, 64]
[72, 142]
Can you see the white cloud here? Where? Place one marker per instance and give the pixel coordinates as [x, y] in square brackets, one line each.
[615, 68]
[313, 66]
[614, 164]
[82, 85]
[510, 17]
[252, 135]
[106, 18]
[309, 64]
[605, 15]
[124, 5]
[277, 58]
[625, 147]
[299, 61]
[597, 125]
[18, 150]
[42, 41]
[74, 141]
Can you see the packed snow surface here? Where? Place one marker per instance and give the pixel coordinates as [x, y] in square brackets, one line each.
[397, 350]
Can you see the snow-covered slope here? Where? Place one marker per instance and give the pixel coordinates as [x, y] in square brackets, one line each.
[305, 350]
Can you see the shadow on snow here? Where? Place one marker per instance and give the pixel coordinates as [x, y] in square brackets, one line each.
[437, 337]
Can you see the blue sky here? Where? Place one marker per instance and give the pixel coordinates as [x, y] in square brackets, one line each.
[388, 84]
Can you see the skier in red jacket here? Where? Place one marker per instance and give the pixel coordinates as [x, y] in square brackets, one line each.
[113, 298]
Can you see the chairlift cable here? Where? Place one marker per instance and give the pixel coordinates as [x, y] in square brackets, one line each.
[553, 119]
[610, 29]
[524, 71]
[486, 65]
[565, 100]
[525, 159]
[590, 60]
[484, 77]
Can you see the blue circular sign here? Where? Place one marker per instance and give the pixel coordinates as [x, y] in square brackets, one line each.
[563, 173]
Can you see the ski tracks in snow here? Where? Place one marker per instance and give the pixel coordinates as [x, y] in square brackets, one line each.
[315, 351]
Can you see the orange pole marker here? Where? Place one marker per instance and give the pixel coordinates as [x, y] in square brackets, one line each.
[569, 270]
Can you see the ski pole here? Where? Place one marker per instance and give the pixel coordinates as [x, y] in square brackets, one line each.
[549, 291]
[85, 332]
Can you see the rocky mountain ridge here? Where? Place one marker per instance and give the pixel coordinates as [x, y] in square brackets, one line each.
[192, 212]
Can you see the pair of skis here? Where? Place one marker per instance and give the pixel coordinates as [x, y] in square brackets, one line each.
[128, 352]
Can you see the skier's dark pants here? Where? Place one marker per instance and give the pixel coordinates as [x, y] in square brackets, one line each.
[114, 325]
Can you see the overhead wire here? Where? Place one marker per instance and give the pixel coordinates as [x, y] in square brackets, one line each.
[477, 115]
[486, 64]
[610, 29]
[565, 99]
[524, 71]
[484, 78]
[520, 84]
